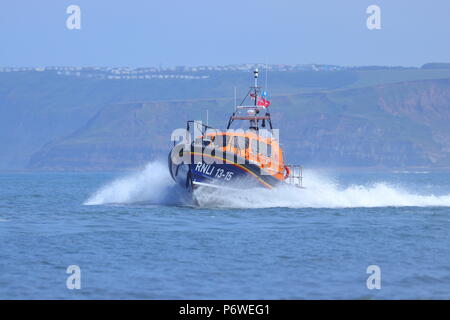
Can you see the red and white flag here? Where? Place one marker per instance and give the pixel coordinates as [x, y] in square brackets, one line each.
[263, 102]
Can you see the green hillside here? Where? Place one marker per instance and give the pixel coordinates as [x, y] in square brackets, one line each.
[39, 107]
[358, 117]
[394, 125]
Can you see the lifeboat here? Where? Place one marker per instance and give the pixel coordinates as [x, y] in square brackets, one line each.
[240, 157]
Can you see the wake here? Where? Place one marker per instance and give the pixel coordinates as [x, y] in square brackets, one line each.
[321, 193]
[153, 185]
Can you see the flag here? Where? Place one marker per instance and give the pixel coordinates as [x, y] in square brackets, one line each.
[263, 102]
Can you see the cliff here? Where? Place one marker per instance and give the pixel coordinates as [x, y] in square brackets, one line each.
[394, 125]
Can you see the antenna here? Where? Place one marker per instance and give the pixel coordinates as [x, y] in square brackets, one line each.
[267, 69]
[235, 102]
[207, 117]
[255, 75]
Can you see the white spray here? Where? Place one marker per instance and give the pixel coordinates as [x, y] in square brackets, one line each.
[154, 185]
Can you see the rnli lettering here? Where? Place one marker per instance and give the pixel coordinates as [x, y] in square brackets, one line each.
[204, 168]
[209, 170]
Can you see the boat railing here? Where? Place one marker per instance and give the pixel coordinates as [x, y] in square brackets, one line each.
[295, 177]
[250, 107]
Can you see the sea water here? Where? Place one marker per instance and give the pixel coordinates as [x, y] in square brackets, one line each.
[136, 235]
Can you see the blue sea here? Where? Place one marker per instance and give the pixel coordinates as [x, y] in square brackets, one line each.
[135, 235]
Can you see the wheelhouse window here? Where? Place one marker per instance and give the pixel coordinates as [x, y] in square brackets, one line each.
[259, 147]
[241, 143]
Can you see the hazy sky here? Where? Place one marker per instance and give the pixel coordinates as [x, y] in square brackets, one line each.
[210, 32]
